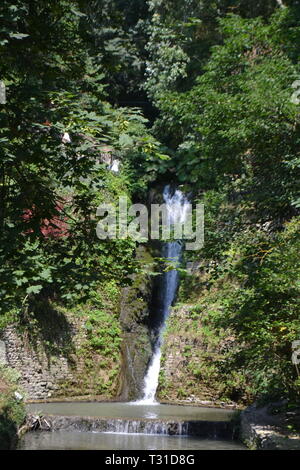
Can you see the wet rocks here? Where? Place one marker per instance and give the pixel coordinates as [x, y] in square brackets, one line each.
[260, 430]
[136, 344]
[205, 429]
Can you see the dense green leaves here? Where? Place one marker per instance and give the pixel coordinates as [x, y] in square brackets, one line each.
[220, 75]
[236, 134]
[57, 128]
[238, 122]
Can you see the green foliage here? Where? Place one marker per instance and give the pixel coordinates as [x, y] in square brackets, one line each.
[264, 311]
[104, 334]
[220, 75]
[115, 34]
[237, 134]
[12, 410]
[253, 295]
[238, 125]
[180, 37]
[55, 90]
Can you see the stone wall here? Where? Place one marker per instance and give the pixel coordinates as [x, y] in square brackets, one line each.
[59, 360]
[40, 375]
[57, 354]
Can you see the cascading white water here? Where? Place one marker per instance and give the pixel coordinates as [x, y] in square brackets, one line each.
[177, 204]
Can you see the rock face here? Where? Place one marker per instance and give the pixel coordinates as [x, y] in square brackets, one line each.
[260, 430]
[136, 344]
[186, 373]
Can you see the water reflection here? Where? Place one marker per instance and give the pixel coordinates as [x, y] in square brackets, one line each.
[63, 440]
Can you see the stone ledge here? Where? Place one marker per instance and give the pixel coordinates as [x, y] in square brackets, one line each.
[260, 431]
[204, 429]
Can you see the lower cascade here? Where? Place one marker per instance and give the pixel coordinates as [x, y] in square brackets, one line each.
[176, 204]
[120, 426]
[124, 419]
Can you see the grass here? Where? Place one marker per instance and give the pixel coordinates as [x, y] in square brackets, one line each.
[12, 411]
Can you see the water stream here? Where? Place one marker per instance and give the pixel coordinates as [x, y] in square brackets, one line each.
[121, 426]
[176, 204]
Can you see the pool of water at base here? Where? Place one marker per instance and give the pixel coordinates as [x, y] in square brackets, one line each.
[131, 410]
[67, 440]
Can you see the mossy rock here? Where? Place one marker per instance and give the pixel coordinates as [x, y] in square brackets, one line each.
[134, 320]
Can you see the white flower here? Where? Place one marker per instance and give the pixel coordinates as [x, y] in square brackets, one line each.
[66, 139]
[18, 396]
[115, 166]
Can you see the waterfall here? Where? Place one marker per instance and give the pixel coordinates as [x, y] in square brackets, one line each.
[176, 204]
[166, 428]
